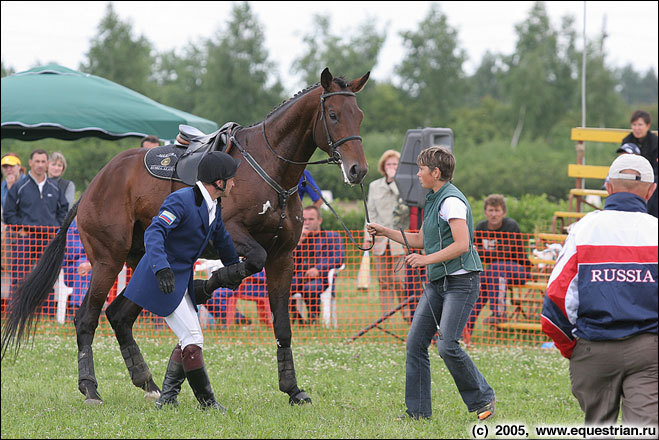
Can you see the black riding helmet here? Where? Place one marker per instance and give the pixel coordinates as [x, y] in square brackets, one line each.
[216, 165]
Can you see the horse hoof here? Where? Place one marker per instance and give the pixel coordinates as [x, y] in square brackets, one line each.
[93, 402]
[152, 395]
[299, 399]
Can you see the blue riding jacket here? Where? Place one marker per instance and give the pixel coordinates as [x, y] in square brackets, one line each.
[176, 238]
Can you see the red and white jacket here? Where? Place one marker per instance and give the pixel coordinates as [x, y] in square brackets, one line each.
[604, 284]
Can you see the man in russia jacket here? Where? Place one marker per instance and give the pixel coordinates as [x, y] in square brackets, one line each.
[601, 305]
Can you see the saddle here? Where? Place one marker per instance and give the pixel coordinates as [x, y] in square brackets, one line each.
[179, 161]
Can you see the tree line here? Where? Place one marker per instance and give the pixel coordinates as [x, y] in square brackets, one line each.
[511, 118]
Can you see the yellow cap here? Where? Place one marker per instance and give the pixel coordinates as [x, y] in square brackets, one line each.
[11, 160]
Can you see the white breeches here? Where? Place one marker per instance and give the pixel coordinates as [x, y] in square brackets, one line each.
[184, 322]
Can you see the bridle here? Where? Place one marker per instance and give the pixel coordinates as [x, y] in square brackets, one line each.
[335, 158]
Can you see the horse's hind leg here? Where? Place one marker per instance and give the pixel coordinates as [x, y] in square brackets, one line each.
[86, 322]
[122, 314]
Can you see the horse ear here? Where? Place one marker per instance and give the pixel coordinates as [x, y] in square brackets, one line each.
[358, 84]
[326, 79]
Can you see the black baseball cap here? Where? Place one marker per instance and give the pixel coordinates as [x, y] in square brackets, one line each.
[629, 148]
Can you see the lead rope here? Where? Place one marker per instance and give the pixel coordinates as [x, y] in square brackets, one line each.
[423, 288]
[349, 234]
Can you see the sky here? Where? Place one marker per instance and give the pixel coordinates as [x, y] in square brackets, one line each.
[34, 33]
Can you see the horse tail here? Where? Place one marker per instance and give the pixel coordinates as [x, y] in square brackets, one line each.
[33, 290]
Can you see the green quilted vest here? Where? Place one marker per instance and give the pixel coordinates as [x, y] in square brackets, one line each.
[437, 235]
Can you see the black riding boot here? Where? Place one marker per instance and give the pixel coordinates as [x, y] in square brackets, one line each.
[201, 387]
[195, 372]
[174, 378]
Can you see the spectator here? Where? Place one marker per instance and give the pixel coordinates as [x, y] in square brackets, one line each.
[163, 284]
[453, 265]
[150, 142]
[628, 148]
[303, 189]
[35, 201]
[317, 252]
[647, 143]
[77, 268]
[500, 246]
[386, 208]
[12, 170]
[57, 168]
[601, 303]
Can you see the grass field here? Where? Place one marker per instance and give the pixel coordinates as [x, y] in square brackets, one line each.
[357, 392]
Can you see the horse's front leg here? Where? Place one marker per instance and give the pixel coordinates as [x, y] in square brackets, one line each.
[279, 271]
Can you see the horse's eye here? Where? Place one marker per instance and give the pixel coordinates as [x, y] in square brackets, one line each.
[333, 116]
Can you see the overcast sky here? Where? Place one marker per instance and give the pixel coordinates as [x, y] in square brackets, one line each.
[40, 32]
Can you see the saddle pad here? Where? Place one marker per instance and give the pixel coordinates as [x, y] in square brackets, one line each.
[160, 162]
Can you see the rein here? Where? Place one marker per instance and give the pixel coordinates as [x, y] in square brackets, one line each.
[281, 192]
[345, 228]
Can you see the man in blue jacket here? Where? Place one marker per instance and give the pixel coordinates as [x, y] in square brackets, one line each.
[163, 280]
[317, 252]
[33, 203]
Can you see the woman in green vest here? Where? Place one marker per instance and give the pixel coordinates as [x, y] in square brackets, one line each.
[453, 269]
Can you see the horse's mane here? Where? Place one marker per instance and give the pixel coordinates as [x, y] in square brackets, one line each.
[340, 81]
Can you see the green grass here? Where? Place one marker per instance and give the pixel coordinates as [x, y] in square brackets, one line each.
[357, 390]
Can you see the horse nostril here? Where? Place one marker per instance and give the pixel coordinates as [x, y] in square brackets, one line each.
[356, 173]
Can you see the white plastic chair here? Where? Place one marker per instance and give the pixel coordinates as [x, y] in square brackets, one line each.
[62, 292]
[328, 301]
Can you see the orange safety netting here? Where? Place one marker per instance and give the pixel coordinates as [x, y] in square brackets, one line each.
[353, 298]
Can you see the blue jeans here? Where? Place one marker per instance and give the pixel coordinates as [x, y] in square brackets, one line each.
[452, 299]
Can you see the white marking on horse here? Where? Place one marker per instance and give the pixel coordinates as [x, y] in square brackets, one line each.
[266, 206]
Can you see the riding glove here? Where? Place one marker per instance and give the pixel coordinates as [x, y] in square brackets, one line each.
[166, 280]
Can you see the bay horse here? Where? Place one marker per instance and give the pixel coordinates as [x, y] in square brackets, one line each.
[123, 197]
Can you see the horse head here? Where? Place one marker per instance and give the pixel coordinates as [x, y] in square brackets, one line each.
[336, 130]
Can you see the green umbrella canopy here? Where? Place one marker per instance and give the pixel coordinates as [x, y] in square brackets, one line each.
[53, 101]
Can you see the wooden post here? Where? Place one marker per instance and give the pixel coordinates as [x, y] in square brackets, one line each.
[581, 160]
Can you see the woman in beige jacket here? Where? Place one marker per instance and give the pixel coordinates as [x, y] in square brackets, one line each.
[385, 207]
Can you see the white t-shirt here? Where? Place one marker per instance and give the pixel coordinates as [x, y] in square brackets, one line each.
[453, 207]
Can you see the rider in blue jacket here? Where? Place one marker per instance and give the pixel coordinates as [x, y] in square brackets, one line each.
[162, 282]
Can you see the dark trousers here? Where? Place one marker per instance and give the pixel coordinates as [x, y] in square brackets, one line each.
[494, 284]
[310, 289]
[606, 374]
